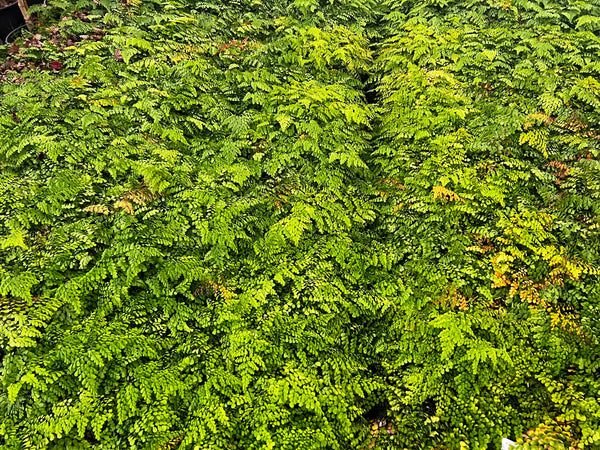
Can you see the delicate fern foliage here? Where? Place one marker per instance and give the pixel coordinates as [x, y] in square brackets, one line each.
[485, 128]
[301, 224]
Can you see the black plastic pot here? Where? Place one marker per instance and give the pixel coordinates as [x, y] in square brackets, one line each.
[10, 37]
[11, 18]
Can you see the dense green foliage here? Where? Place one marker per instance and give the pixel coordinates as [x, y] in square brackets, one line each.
[282, 224]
